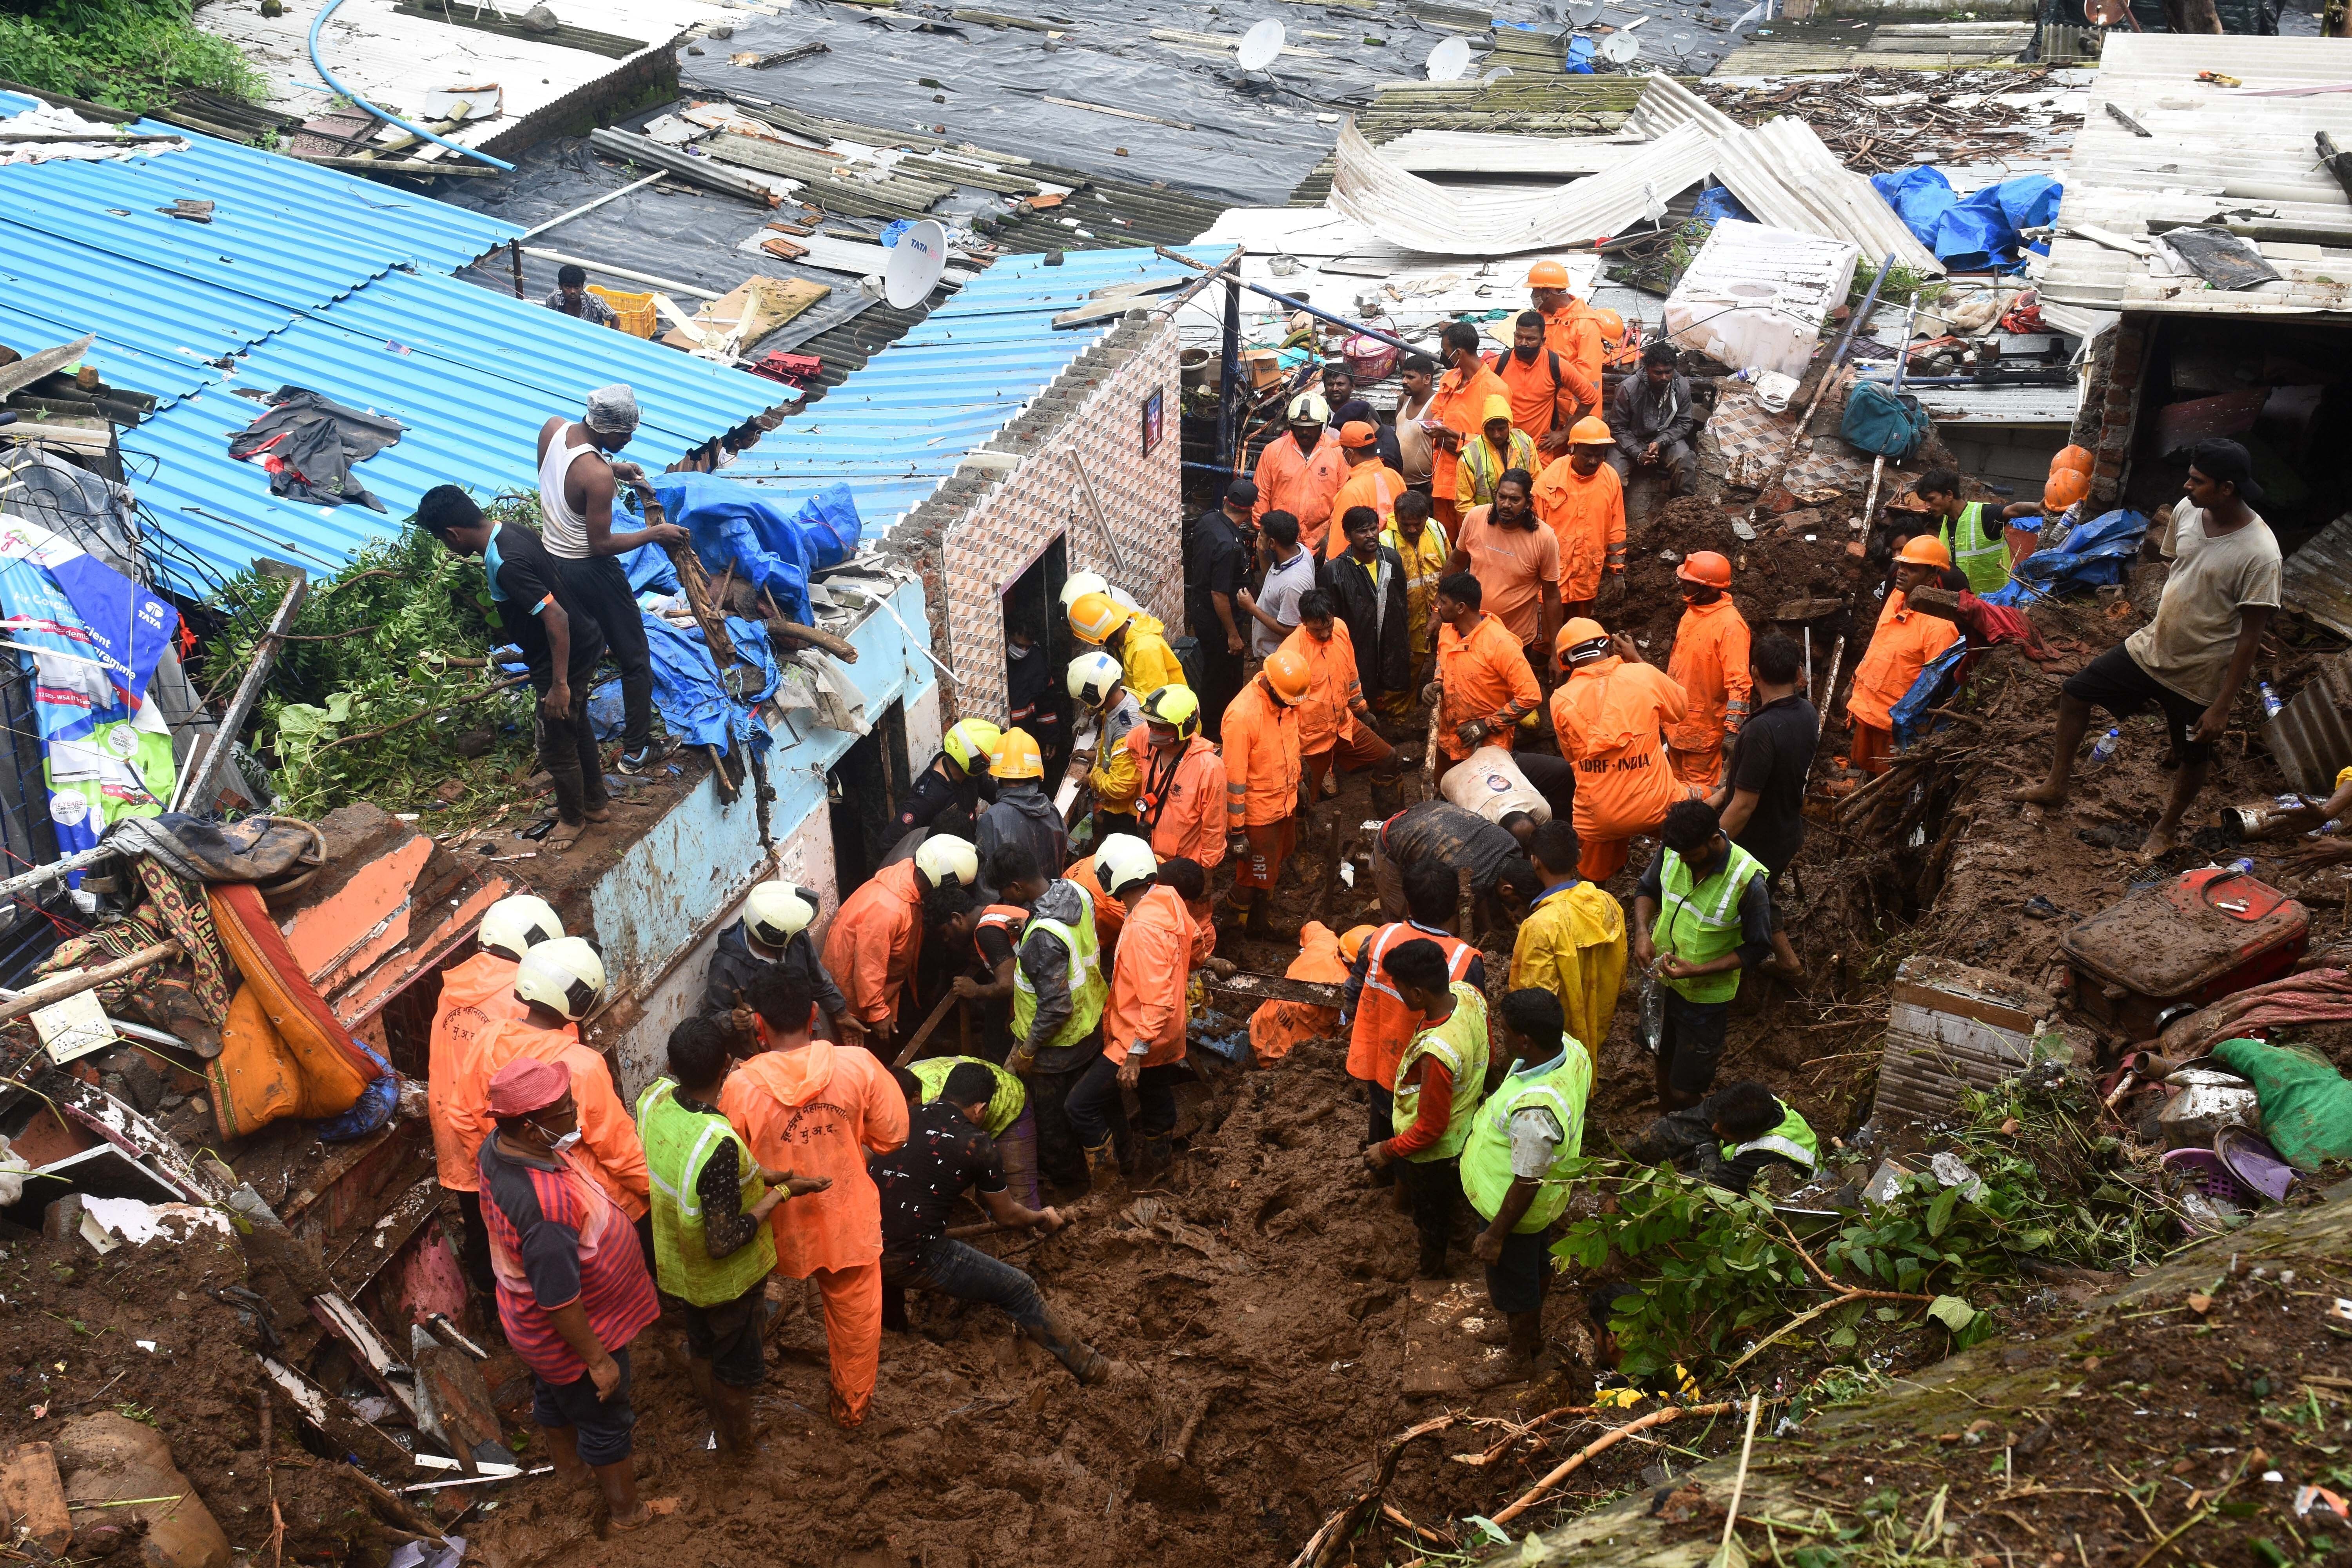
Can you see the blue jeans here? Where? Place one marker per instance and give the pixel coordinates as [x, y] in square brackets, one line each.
[967, 1274]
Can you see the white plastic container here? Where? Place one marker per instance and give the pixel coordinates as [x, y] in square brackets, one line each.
[1488, 782]
[1756, 296]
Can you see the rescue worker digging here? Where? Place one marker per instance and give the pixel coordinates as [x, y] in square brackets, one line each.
[1484, 687]
[773, 930]
[1059, 988]
[871, 947]
[1441, 1076]
[1710, 663]
[1900, 648]
[1336, 733]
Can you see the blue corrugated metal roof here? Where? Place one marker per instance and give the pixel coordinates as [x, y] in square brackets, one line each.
[899, 427]
[310, 278]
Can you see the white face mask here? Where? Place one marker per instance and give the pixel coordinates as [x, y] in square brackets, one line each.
[567, 1140]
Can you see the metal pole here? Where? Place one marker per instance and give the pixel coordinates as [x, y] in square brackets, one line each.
[557, 222]
[514, 254]
[196, 795]
[1315, 311]
[1878, 465]
[1229, 379]
[56, 870]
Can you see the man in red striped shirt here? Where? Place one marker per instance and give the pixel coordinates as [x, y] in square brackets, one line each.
[572, 1282]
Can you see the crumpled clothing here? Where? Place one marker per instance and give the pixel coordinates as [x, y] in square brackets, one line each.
[257, 849]
[309, 443]
[2314, 996]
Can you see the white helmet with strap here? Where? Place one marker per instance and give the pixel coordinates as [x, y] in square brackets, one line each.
[944, 858]
[775, 913]
[565, 976]
[1122, 861]
[517, 923]
[1091, 677]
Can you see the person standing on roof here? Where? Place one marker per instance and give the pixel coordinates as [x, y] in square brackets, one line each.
[1710, 664]
[1701, 915]
[573, 1287]
[560, 642]
[1023, 814]
[1902, 644]
[1484, 686]
[1336, 733]
[1372, 1011]
[1573, 330]
[473, 995]
[1498, 449]
[1263, 796]
[1609, 714]
[1371, 483]
[1456, 413]
[572, 298]
[1546, 397]
[1136, 640]
[815, 1108]
[1366, 585]
[575, 507]
[1581, 499]
[1572, 944]
[1098, 686]
[1217, 569]
[1653, 419]
[1423, 549]
[871, 946]
[1300, 471]
[772, 931]
[1180, 802]
[1441, 1076]
[955, 779]
[1143, 1022]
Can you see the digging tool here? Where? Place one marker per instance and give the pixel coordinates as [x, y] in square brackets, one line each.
[922, 1035]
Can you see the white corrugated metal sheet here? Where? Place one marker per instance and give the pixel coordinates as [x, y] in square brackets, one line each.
[1486, 153]
[1756, 296]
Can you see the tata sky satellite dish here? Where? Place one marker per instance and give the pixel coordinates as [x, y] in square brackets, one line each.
[1260, 45]
[915, 263]
[1621, 48]
[1450, 60]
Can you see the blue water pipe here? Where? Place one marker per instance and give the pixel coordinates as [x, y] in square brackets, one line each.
[418, 130]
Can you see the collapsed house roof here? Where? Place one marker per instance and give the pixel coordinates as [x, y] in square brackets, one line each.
[2165, 151]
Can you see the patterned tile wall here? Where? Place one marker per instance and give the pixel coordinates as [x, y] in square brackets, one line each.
[1011, 524]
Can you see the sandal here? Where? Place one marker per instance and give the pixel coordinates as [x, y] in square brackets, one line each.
[564, 835]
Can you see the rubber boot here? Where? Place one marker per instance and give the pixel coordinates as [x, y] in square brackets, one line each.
[698, 1373]
[1102, 1166]
[1087, 1365]
[1431, 1262]
[563, 1452]
[1386, 795]
[730, 1419]
[1517, 1362]
[1154, 1154]
[618, 1481]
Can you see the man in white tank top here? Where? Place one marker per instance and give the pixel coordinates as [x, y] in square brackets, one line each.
[577, 486]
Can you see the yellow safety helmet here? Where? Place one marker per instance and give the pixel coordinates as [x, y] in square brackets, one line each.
[944, 858]
[514, 925]
[1091, 678]
[1016, 757]
[1176, 707]
[775, 913]
[1094, 616]
[1122, 861]
[1286, 672]
[969, 742]
[565, 976]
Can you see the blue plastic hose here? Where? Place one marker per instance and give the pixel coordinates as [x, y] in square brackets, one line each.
[328, 78]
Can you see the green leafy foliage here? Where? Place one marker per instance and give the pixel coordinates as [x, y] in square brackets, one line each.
[131, 55]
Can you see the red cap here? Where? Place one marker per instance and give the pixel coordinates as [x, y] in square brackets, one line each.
[527, 1084]
[1356, 432]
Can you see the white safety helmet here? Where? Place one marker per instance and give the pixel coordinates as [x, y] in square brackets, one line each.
[944, 858]
[775, 913]
[518, 923]
[1122, 861]
[1080, 582]
[1091, 676]
[563, 976]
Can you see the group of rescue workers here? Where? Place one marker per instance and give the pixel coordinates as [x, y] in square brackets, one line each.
[1455, 560]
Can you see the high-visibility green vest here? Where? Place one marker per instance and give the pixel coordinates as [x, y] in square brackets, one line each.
[1004, 1105]
[678, 1143]
[1699, 923]
[1089, 989]
[1984, 558]
[1564, 1090]
[1793, 1140]
[1460, 1042]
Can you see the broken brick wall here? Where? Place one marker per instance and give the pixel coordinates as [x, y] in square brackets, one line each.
[2110, 410]
[1014, 497]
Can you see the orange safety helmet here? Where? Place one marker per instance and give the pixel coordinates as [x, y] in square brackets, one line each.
[1705, 567]
[2066, 487]
[1612, 325]
[1351, 942]
[1094, 616]
[1548, 274]
[2076, 458]
[1578, 637]
[1287, 673]
[1924, 550]
[1590, 431]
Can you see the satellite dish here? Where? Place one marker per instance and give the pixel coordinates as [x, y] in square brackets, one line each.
[1497, 74]
[1260, 45]
[915, 263]
[1585, 15]
[1621, 48]
[1450, 60]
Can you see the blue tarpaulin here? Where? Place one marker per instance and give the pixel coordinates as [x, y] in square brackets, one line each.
[770, 542]
[694, 709]
[2094, 555]
[1717, 201]
[1972, 231]
[1905, 717]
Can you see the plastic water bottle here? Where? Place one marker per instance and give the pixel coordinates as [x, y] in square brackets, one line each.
[2271, 704]
[2243, 866]
[2324, 828]
[2108, 745]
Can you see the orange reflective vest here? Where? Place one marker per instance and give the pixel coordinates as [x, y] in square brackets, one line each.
[1372, 484]
[1110, 915]
[473, 994]
[1277, 1027]
[1181, 799]
[1326, 718]
[1710, 664]
[1300, 483]
[1586, 513]
[1906, 640]
[818, 1110]
[1543, 395]
[1146, 1002]
[1384, 1026]
[871, 947]
[1608, 715]
[1481, 674]
[1261, 758]
[1006, 918]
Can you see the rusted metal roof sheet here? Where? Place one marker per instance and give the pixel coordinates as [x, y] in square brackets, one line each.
[2317, 578]
[2311, 738]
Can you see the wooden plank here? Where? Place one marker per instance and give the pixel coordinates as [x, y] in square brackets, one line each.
[35, 1497]
[757, 307]
[1273, 988]
[612, 46]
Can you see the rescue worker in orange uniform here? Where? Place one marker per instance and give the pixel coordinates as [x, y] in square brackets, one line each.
[815, 1108]
[1484, 687]
[1609, 715]
[557, 983]
[473, 994]
[1710, 664]
[1582, 500]
[1277, 1028]
[1334, 724]
[1143, 1022]
[1456, 412]
[1180, 780]
[1573, 331]
[1262, 784]
[1299, 471]
[1370, 482]
[1378, 1025]
[1904, 642]
[1548, 392]
[877, 933]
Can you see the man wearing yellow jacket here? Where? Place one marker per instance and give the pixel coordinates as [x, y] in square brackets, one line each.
[1136, 640]
[1572, 942]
